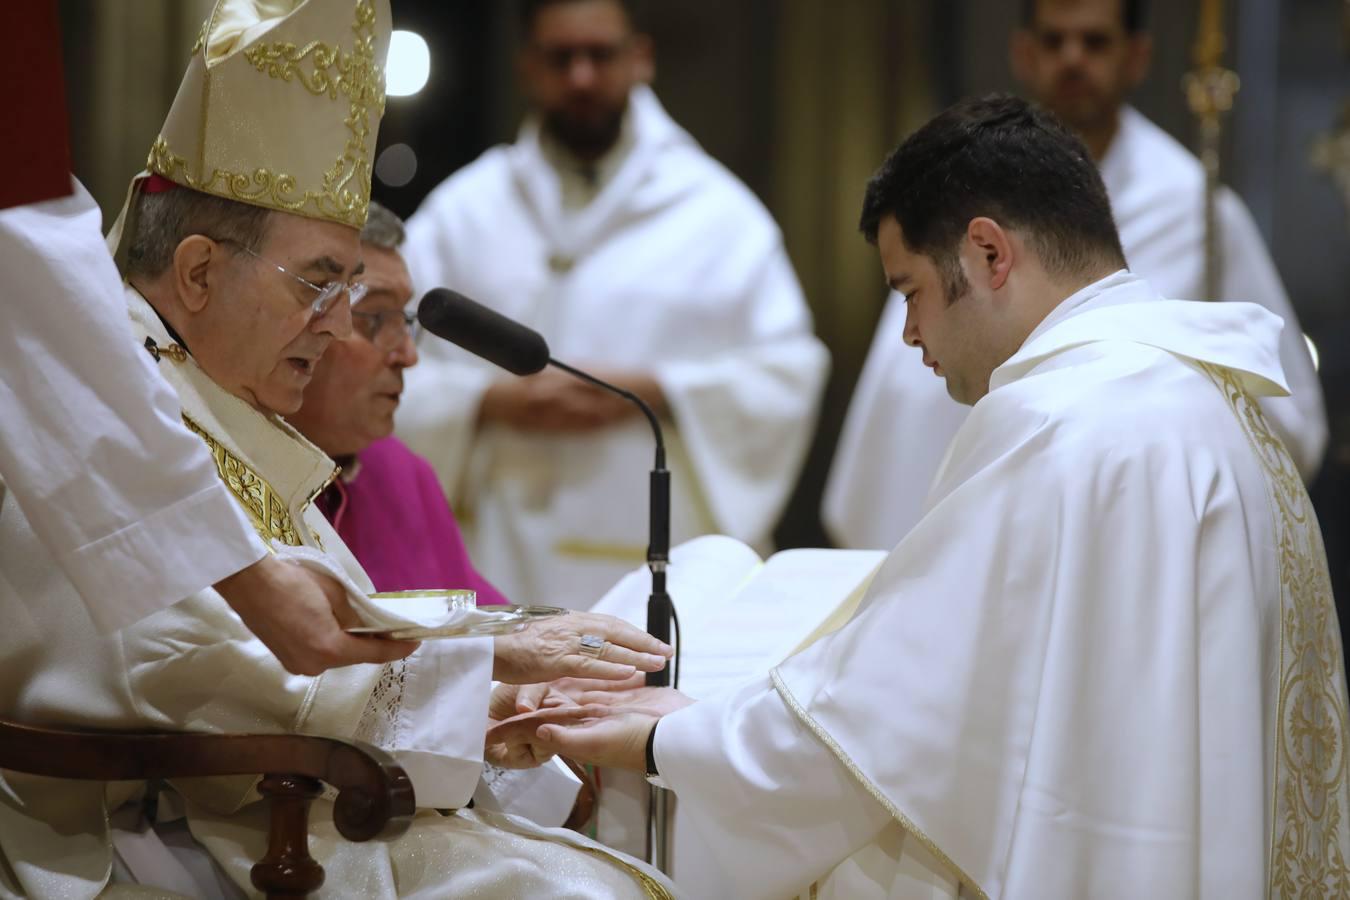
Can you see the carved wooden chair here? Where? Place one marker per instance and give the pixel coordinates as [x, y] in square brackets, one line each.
[375, 797]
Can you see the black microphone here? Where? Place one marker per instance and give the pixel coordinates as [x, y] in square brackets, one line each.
[483, 332]
[505, 342]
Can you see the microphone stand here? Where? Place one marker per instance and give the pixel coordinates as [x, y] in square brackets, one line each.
[660, 610]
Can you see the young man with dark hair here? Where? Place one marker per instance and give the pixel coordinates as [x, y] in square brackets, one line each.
[641, 259]
[1081, 59]
[1106, 663]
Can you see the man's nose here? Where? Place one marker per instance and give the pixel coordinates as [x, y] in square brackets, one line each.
[581, 71]
[337, 321]
[404, 356]
[911, 332]
[1071, 52]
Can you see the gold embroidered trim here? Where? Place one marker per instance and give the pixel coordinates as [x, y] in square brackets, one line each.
[265, 509]
[654, 889]
[905, 822]
[1310, 831]
[344, 195]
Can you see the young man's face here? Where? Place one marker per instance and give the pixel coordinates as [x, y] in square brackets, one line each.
[580, 61]
[351, 401]
[1078, 60]
[957, 334]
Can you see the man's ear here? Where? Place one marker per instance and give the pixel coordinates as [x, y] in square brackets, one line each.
[644, 59]
[990, 251]
[1021, 54]
[1139, 58]
[192, 270]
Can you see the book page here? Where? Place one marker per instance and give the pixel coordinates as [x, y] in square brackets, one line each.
[738, 617]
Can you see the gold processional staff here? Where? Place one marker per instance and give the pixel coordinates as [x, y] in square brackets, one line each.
[1210, 89]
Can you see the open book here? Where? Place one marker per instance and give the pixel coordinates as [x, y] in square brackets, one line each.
[739, 615]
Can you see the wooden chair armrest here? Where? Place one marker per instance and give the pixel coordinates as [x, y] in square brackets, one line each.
[375, 796]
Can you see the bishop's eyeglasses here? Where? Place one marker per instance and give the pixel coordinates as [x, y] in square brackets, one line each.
[328, 293]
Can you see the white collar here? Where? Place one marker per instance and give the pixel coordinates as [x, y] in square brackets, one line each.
[1241, 337]
[291, 466]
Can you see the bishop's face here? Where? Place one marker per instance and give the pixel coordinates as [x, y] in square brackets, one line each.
[952, 324]
[261, 339]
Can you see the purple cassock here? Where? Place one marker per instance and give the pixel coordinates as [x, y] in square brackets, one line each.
[394, 517]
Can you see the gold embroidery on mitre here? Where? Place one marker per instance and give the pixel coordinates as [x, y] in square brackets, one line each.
[265, 509]
[1307, 855]
[325, 70]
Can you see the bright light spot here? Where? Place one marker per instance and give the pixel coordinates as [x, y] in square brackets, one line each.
[397, 165]
[1312, 349]
[409, 64]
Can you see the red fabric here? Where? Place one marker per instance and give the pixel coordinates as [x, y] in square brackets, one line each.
[35, 154]
[157, 184]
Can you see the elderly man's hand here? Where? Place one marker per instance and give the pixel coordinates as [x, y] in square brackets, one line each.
[554, 648]
[600, 735]
[299, 615]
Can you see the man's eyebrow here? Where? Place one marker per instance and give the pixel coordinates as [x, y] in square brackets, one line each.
[899, 282]
[326, 264]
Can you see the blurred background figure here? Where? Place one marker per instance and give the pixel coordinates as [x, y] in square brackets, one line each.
[386, 503]
[644, 262]
[1082, 59]
[799, 99]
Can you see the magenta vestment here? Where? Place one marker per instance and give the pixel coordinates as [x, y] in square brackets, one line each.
[394, 517]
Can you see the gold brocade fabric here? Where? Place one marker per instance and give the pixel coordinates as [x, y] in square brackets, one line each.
[1308, 851]
[280, 107]
[265, 509]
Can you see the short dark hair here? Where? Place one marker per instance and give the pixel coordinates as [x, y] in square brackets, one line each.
[530, 9]
[1133, 13]
[1001, 157]
[161, 221]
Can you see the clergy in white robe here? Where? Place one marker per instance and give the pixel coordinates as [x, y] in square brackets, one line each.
[89, 422]
[897, 421]
[80, 412]
[222, 294]
[84, 416]
[1106, 662]
[656, 262]
[194, 666]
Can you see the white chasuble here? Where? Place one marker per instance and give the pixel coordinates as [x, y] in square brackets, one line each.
[1104, 664]
[673, 269]
[85, 417]
[900, 420]
[196, 667]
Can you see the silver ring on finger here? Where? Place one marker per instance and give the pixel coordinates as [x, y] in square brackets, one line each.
[592, 645]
